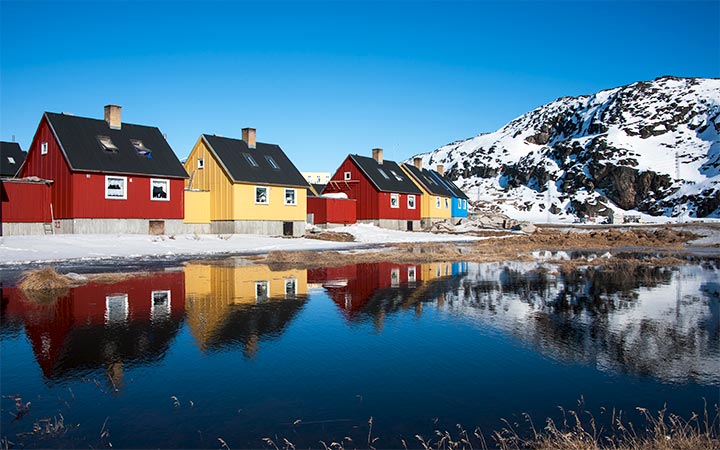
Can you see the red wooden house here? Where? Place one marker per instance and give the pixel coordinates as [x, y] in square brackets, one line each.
[108, 176]
[385, 195]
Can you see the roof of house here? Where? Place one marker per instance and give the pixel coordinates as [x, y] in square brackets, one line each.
[90, 145]
[452, 187]
[318, 188]
[11, 158]
[264, 164]
[427, 181]
[387, 177]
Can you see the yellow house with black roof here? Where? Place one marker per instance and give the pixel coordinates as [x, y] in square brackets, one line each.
[253, 187]
[436, 199]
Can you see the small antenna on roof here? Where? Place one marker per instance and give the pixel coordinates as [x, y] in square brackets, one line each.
[13, 138]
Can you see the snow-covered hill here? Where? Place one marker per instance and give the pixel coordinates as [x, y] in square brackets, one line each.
[649, 147]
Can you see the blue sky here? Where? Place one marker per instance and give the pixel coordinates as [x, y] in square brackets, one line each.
[324, 79]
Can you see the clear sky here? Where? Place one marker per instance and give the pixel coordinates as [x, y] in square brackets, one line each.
[325, 79]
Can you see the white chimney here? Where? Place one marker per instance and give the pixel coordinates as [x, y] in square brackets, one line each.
[417, 162]
[377, 155]
[113, 116]
[248, 135]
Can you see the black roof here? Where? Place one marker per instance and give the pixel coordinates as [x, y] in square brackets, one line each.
[319, 187]
[394, 180]
[11, 158]
[232, 154]
[80, 140]
[429, 182]
[452, 187]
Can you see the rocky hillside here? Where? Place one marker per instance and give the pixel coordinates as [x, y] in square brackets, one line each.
[652, 148]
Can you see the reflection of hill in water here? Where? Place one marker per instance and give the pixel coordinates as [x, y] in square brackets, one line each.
[655, 322]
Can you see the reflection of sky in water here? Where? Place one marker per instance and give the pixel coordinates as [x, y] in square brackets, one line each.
[255, 349]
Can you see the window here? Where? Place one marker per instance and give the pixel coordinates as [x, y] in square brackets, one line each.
[261, 195]
[447, 203]
[116, 308]
[437, 202]
[160, 190]
[395, 277]
[411, 275]
[411, 202]
[43, 148]
[382, 172]
[290, 287]
[272, 162]
[262, 290]
[107, 144]
[250, 159]
[290, 197]
[348, 176]
[397, 177]
[141, 149]
[160, 305]
[394, 200]
[11, 160]
[115, 187]
[201, 163]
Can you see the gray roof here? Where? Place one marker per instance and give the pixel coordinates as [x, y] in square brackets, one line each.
[11, 158]
[387, 177]
[264, 164]
[429, 182]
[452, 187]
[138, 149]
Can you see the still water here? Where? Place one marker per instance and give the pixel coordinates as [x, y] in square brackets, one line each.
[191, 354]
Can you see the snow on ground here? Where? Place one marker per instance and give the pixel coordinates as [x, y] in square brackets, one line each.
[54, 248]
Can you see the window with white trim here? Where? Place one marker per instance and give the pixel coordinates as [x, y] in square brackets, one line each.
[411, 202]
[290, 197]
[11, 160]
[262, 196]
[140, 148]
[447, 203]
[290, 287]
[159, 190]
[394, 200]
[395, 277]
[437, 202]
[115, 187]
[262, 290]
[411, 274]
[348, 176]
[160, 305]
[43, 148]
[201, 163]
[116, 308]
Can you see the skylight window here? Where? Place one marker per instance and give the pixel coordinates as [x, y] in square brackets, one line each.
[382, 172]
[107, 144]
[272, 162]
[11, 160]
[140, 148]
[397, 177]
[250, 160]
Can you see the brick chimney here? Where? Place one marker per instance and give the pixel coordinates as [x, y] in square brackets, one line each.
[248, 135]
[378, 155]
[441, 169]
[417, 162]
[113, 116]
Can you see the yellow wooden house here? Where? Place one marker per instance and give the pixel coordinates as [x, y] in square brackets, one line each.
[241, 306]
[436, 199]
[251, 187]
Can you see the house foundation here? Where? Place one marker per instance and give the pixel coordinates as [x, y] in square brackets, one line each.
[263, 227]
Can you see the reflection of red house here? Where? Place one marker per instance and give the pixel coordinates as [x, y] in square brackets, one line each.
[351, 287]
[101, 325]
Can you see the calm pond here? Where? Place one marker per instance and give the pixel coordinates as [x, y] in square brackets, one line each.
[191, 354]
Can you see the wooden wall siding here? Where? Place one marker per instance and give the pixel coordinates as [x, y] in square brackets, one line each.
[197, 207]
[24, 202]
[211, 178]
[332, 210]
[51, 166]
[245, 207]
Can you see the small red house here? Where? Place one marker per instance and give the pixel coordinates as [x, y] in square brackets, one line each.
[24, 205]
[332, 211]
[108, 176]
[385, 195]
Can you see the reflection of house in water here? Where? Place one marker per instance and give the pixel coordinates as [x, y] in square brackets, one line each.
[110, 326]
[376, 289]
[231, 307]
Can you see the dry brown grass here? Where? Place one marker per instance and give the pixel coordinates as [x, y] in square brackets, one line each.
[335, 236]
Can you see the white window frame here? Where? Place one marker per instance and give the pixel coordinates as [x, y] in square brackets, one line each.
[266, 285]
[11, 160]
[43, 148]
[119, 303]
[395, 197]
[347, 176]
[267, 195]
[160, 311]
[412, 274]
[153, 182]
[437, 202]
[201, 163]
[395, 277]
[294, 202]
[414, 201]
[447, 203]
[290, 282]
[124, 190]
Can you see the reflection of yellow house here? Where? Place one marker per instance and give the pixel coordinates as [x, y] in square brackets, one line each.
[432, 271]
[253, 187]
[240, 304]
[436, 199]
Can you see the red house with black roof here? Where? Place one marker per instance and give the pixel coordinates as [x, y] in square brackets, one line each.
[108, 176]
[384, 193]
